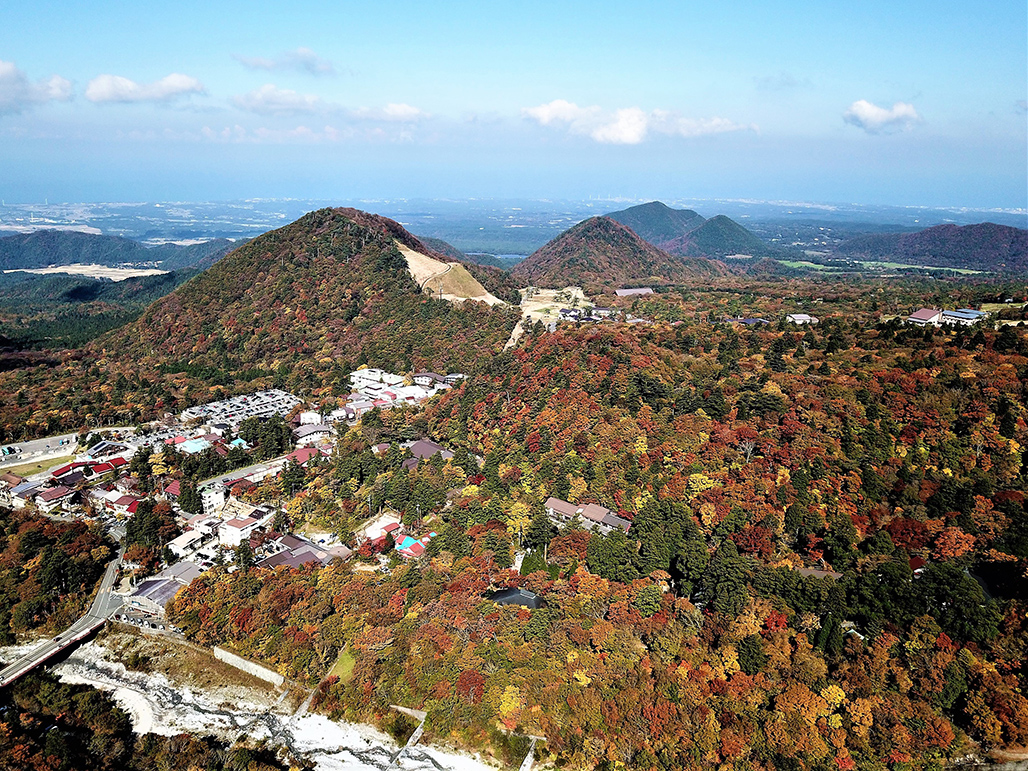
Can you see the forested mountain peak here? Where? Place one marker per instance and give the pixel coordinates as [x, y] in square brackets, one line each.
[718, 237]
[657, 222]
[602, 253]
[298, 307]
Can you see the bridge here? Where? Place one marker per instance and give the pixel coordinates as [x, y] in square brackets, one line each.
[103, 606]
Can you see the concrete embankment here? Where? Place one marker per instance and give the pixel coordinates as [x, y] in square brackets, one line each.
[250, 667]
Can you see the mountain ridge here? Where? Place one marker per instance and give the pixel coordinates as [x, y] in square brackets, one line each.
[685, 233]
[602, 253]
[657, 223]
[43, 248]
[983, 246]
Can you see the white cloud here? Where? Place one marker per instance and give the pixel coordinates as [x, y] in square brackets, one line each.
[115, 88]
[879, 120]
[629, 127]
[396, 113]
[272, 100]
[561, 111]
[626, 126]
[17, 92]
[303, 59]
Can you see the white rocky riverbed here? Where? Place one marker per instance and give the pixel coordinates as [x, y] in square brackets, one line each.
[159, 706]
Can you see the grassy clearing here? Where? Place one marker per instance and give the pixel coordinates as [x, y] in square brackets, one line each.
[810, 265]
[343, 668]
[28, 469]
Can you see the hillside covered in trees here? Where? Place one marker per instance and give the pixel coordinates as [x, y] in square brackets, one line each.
[43, 248]
[685, 233]
[61, 311]
[601, 254]
[657, 223]
[298, 307]
[813, 513]
[985, 246]
[720, 237]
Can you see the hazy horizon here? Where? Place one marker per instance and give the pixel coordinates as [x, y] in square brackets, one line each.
[895, 103]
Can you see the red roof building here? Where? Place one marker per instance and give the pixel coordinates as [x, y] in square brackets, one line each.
[53, 494]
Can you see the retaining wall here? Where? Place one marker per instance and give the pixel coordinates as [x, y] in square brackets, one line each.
[248, 666]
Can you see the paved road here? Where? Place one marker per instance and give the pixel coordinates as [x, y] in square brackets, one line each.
[275, 464]
[104, 605]
[36, 449]
[48, 447]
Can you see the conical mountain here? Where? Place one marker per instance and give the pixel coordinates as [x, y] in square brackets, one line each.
[296, 308]
[601, 254]
[720, 237]
[658, 223]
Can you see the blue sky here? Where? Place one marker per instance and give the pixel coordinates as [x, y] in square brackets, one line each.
[919, 103]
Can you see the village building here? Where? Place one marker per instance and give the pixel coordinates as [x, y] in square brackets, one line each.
[309, 418]
[105, 449]
[801, 319]
[153, 595]
[361, 380]
[962, 317]
[22, 495]
[293, 551]
[232, 533]
[304, 455]
[593, 516]
[201, 523]
[409, 547]
[124, 505]
[429, 379]
[213, 498]
[8, 482]
[186, 543]
[312, 434]
[925, 317]
[424, 450]
[54, 498]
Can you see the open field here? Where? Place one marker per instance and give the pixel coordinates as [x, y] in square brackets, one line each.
[446, 281]
[543, 304]
[93, 271]
[28, 469]
[343, 668]
[997, 307]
